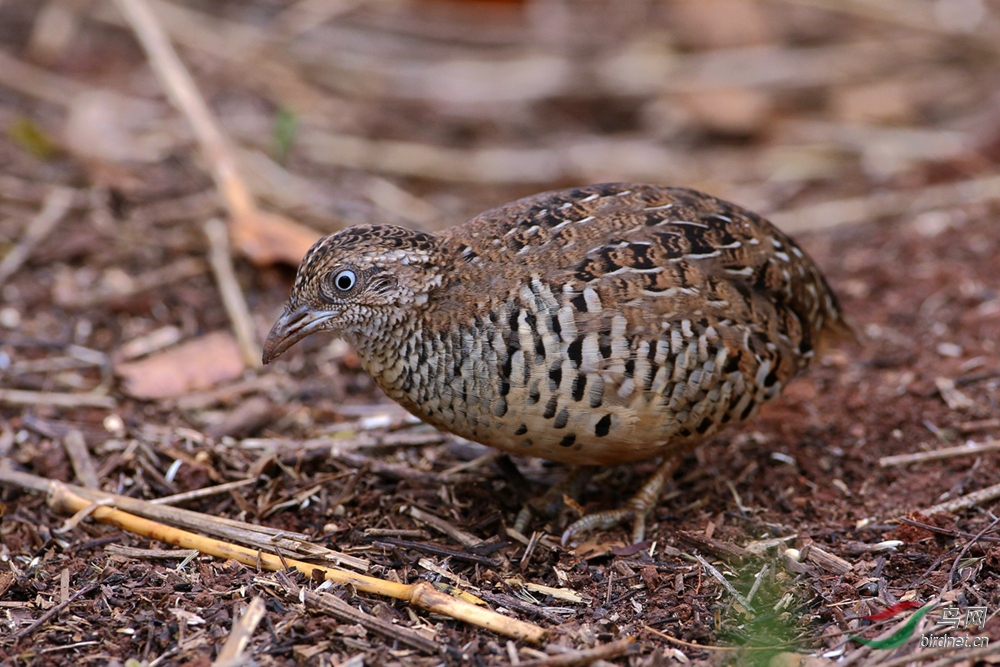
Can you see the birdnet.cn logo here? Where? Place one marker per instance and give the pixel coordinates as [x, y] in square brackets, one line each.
[950, 618]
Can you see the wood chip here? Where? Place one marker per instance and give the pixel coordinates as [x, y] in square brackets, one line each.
[827, 560]
[955, 399]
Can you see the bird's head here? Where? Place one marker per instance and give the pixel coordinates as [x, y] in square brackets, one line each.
[358, 283]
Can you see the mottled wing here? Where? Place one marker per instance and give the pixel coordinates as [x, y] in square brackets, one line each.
[639, 314]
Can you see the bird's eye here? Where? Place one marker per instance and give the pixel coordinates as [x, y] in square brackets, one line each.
[345, 280]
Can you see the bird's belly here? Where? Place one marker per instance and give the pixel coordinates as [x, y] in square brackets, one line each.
[643, 425]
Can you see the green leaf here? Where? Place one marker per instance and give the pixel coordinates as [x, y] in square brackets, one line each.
[899, 637]
[286, 127]
[27, 134]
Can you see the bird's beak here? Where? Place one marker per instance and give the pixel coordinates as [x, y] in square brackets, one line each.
[293, 325]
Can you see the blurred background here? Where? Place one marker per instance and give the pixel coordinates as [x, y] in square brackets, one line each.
[426, 112]
[821, 114]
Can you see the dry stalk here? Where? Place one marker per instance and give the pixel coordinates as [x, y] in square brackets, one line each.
[63, 499]
[57, 204]
[232, 295]
[232, 651]
[939, 454]
[422, 595]
[264, 237]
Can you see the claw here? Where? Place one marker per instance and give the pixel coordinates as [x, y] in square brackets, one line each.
[550, 503]
[637, 508]
[595, 521]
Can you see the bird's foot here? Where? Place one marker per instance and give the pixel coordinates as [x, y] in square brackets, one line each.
[637, 508]
[548, 504]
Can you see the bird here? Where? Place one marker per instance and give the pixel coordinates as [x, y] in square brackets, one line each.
[592, 326]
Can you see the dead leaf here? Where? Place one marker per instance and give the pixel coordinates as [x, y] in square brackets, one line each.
[739, 112]
[197, 364]
[592, 548]
[881, 102]
[266, 238]
[707, 24]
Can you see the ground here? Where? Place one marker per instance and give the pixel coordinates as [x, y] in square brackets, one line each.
[800, 511]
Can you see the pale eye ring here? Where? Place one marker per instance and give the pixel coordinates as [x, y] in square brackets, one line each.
[345, 280]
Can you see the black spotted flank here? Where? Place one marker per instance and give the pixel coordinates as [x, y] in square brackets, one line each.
[568, 440]
[575, 351]
[550, 408]
[653, 283]
[670, 242]
[561, 419]
[579, 303]
[555, 376]
[604, 344]
[596, 394]
[544, 214]
[603, 426]
[579, 385]
[521, 430]
[512, 318]
[704, 425]
[732, 364]
[500, 409]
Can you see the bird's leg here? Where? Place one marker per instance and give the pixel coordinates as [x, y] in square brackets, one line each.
[549, 503]
[637, 508]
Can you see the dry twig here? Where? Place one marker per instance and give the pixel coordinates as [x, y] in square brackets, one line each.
[27, 397]
[331, 604]
[939, 454]
[57, 204]
[460, 536]
[54, 611]
[63, 499]
[79, 456]
[965, 502]
[585, 657]
[265, 238]
[725, 583]
[232, 296]
[825, 215]
[231, 654]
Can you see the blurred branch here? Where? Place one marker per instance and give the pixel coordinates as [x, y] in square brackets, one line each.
[910, 14]
[232, 296]
[829, 214]
[37, 82]
[265, 238]
[57, 204]
[253, 51]
[181, 90]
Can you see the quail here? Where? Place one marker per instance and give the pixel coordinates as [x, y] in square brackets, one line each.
[592, 326]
